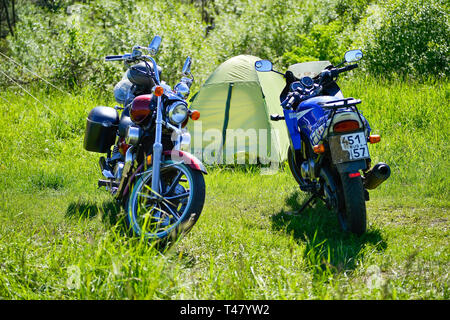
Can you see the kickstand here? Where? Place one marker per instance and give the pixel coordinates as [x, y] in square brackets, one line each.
[314, 196]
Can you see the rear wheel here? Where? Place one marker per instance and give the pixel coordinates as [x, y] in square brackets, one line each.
[345, 196]
[352, 214]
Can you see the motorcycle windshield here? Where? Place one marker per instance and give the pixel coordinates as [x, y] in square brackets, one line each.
[310, 69]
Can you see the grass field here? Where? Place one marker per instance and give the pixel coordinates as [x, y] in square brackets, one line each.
[62, 238]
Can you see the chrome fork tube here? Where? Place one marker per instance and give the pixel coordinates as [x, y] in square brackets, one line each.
[157, 148]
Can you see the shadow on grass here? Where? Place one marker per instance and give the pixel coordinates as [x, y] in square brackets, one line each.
[327, 247]
[110, 211]
[113, 216]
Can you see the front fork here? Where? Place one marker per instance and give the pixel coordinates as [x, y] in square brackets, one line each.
[157, 148]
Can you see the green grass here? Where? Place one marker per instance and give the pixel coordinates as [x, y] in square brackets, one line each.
[62, 238]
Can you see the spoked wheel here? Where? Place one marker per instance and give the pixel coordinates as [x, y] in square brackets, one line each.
[172, 212]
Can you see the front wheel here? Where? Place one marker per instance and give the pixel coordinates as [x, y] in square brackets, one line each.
[295, 170]
[166, 216]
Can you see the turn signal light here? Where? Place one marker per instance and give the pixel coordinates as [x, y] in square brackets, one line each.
[195, 115]
[320, 148]
[346, 126]
[375, 138]
[159, 91]
[149, 159]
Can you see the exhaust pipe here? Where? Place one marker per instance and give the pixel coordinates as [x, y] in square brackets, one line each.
[376, 176]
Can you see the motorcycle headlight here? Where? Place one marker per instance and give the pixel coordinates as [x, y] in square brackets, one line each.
[177, 112]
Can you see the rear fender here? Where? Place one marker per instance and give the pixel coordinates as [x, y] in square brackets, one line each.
[187, 158]
[351, 166]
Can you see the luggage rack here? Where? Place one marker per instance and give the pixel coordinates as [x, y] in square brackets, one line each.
[342, 103]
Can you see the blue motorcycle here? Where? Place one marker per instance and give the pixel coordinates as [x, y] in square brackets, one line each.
[328, 155]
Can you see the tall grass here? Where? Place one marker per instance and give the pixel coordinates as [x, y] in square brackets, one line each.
[62, 238]
[413, 122]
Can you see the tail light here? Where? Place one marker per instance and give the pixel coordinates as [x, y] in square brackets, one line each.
[354, 175]
[346, 126]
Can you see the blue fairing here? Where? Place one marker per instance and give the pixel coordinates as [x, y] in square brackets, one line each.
[310, 120]
[313, 113]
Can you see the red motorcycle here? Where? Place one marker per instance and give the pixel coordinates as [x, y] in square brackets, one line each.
[160, 186]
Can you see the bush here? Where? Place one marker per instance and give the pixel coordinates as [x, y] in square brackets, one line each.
[65, 41]
[68, 43]
[412, 40]
[324, 42]
[331, 36]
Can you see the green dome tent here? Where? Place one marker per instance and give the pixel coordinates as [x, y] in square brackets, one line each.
[235, 104]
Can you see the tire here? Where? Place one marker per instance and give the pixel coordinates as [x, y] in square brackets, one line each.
[294, 169]
[352, 213]
[158, 224]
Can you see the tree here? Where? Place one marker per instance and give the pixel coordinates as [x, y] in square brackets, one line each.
[8, 14]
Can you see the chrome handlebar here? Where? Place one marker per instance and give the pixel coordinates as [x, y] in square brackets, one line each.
[134, 56]
[183, 86]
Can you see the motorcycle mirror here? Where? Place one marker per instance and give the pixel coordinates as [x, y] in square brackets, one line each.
[187, 67]
[263, 65]
[353, 55]
[136, 53]
[154, 45]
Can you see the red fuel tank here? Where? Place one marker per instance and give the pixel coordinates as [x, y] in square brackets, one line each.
[141, 107]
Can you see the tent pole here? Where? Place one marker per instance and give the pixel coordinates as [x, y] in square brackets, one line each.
[226, 119]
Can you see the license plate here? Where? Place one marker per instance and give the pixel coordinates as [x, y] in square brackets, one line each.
[349, 147]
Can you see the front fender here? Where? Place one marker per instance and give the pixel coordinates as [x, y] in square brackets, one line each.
[187, 158]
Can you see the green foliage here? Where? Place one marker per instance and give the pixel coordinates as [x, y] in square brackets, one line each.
[351, 11]
[321, 43]
[69, 44]
[62, 238]
[403, 37]
[413, 39]
[66, 40]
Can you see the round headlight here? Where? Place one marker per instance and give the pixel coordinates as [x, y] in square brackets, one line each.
[177, 112]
